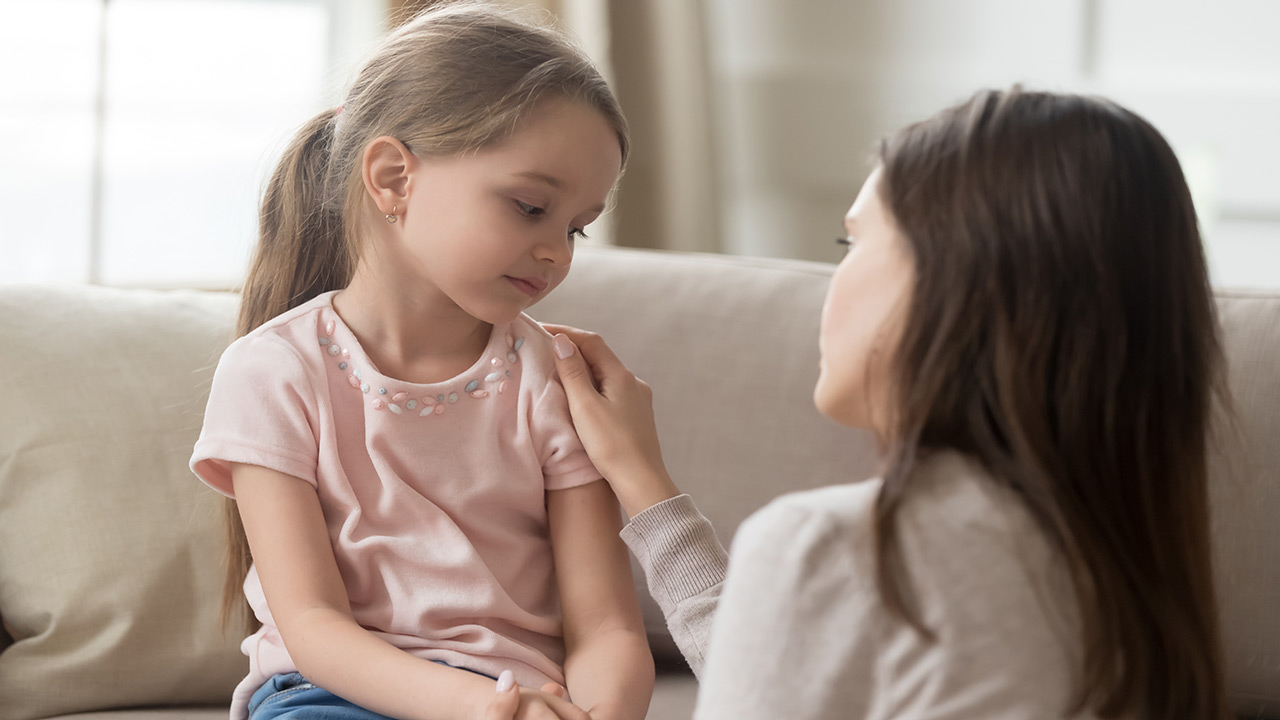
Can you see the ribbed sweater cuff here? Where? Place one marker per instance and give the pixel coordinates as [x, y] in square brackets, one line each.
[680, 543]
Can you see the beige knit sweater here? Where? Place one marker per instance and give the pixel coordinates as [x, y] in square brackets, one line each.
[799, 630]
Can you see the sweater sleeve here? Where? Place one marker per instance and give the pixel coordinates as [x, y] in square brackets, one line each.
[685, 566]
[796, 632]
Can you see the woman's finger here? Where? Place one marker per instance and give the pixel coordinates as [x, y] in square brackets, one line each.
[506, 701]
[576, 375]
[597, 352]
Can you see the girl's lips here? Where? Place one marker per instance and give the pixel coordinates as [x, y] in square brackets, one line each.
[530, 286]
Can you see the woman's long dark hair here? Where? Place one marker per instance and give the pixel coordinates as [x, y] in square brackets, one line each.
[1062, 331]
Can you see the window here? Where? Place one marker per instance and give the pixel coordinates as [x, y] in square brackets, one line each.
[135, 135]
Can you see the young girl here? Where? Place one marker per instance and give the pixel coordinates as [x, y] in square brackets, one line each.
[1024, 319]
[390, 425]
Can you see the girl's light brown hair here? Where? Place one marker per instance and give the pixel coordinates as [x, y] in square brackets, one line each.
[454, 79]
[1061, 330]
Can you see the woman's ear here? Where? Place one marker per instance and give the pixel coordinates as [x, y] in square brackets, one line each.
[386, 166]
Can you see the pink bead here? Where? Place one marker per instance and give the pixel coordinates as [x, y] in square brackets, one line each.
[353, 381]
[428, 401]
[480, 394]
[439, 409]
[497, 362]
[399, 397]
[502, 386]
[328, 327]
[377, 404]
[346, 353]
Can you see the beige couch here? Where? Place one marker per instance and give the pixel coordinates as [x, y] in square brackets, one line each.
[109, 547]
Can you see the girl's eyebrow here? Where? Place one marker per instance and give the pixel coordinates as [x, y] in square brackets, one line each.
[549, 180]
[554, 182]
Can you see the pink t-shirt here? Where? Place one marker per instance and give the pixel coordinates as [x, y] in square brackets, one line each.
[434, 495]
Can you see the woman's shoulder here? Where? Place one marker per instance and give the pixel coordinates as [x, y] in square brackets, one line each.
[827, 526]
[951, 496]
[950, 503]
[847, 506]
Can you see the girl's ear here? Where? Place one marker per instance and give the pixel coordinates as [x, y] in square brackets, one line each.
[385, 167]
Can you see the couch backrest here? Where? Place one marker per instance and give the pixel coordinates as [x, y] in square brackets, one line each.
[109, 547]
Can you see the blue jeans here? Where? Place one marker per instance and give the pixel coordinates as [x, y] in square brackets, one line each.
[291, 697]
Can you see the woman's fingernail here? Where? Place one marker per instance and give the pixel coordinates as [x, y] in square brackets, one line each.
[506, 680]
[564, 346]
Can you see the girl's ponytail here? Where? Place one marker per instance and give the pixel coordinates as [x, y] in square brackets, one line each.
[302, 252]
[302, 249]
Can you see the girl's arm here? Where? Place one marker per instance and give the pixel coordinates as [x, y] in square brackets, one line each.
[307, 598]
[613, 413]
[608, 666]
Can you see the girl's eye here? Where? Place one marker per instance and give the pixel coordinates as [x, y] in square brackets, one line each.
[530, 210]
[845, 242]
[575, 233]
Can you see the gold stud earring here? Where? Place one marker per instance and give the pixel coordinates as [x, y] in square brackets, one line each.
[391, 217]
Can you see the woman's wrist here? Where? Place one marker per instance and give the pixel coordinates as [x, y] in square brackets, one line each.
[640, 490]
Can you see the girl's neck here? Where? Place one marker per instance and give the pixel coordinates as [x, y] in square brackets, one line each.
[417, 335]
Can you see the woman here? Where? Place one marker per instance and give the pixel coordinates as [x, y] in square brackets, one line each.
[1025, 322]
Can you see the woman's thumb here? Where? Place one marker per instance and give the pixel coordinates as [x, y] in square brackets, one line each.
[506, 702]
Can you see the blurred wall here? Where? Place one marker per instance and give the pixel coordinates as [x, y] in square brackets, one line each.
[803, 91]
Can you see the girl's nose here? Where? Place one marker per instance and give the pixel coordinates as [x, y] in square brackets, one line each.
[557, 249]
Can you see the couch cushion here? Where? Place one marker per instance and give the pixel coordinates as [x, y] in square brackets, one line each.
[109, 548]
[1245, 492]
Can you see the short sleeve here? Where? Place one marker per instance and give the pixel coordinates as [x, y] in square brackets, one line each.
[260, 412]
[564, 461]
[795, 632]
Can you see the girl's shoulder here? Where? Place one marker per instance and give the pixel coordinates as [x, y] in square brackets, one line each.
[307, 320]
[284, 344]
[533, 345]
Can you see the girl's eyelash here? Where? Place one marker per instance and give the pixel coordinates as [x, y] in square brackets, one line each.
[846, 241]
[535, 211]
[527, 209]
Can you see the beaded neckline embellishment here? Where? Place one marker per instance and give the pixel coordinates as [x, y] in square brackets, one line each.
[404, 402]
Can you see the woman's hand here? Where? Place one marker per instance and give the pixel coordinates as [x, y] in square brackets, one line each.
[516, 703]
[613, 412]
